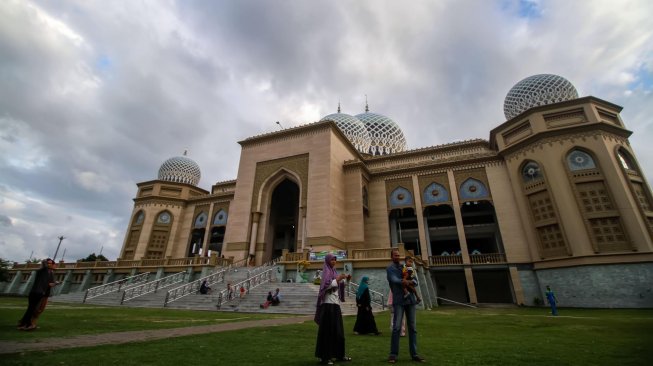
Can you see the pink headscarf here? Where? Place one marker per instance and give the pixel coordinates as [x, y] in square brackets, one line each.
[328, 275]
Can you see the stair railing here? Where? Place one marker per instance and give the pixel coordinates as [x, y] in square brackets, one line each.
[115, 286]
[376, 297]
[193, 287]
[234, 291]
[152, 286]
[263, 267]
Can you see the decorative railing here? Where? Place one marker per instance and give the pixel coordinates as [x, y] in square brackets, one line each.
[135, 263]
[152, 286]
[445, 260]
[295, 257]
[234, 291]
[115, 286]
[374, 253]
[194, 286]
[263, 267]
[376, 297]
[490, 258]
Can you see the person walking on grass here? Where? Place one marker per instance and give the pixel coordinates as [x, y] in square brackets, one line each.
[551, 298]
[401, 305]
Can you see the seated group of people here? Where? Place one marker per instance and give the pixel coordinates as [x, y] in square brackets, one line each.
[272, 299]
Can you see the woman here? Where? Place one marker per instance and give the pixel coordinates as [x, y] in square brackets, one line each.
[365, 322]
[40, 289]
[330, 335]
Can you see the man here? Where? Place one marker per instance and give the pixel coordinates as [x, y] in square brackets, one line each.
[276, 298]
[40, 289]
[401, 305]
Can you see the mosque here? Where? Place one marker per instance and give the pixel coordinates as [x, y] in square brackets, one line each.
[555, 196]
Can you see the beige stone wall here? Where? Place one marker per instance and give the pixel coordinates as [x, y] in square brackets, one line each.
[377, 232]
[517, 245]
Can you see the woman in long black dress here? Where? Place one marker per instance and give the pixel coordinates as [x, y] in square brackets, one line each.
[365, 323]
[330, 343]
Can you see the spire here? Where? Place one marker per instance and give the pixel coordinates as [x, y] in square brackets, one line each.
[367, 108]
[338, 106]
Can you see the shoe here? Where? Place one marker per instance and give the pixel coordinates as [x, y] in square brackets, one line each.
[345, 359]
[326, 362]
[418, 359]
[392, 359]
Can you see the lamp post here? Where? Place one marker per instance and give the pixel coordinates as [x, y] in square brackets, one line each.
[61, 238]
[279, 123]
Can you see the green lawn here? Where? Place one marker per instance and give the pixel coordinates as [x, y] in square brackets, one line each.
[449, 336]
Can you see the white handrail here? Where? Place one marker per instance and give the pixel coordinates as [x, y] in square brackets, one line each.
[152, 286]
[234, 291]
[375, 297]
[194, 286]
[115, 286]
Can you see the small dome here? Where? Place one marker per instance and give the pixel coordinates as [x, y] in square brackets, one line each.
[180, 169]
[386, 136]
[353, 128]
[535, 91]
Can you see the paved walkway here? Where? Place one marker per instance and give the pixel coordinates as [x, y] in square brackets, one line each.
[139, 336]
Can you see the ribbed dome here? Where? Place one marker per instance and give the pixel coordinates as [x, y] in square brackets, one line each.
[386, 136]
[180, 169]
[353, 128]
[535, 91]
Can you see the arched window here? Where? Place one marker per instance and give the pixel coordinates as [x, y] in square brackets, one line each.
[401, 197]
[601, 215]
[551, 240]
[473, 189]
[435, 193]
[200, 220]
[220, 218]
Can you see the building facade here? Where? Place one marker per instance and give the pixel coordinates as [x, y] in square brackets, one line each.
[554, 197]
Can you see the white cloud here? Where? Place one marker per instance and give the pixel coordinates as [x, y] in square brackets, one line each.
[98, 94]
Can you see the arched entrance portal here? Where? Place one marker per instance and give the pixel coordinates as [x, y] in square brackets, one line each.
[283, 220]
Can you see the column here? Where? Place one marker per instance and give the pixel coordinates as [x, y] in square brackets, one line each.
[302, 226]
[256, 216]
[419, 212]
[207, 232]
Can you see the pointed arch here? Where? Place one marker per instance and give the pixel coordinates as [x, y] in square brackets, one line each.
[220, 217]
[400, 197]
[134, 235]
[473, 189]
[200, 220]
[435, 193]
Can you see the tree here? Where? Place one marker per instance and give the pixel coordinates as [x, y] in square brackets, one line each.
[92, 258]
[4, 270]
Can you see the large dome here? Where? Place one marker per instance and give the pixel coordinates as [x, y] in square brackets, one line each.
[535, 91]
[386, 136]
[180, 169]
[353, 128]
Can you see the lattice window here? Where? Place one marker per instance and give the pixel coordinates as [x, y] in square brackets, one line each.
[594, 197]
[641, 196]
[551, 236]
[541, 206]
[608, 233]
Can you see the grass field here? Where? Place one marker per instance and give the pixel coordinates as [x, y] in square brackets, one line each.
[447, 336]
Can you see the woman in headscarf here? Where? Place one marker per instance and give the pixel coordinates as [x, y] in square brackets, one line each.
[330, 335]
[365, 323]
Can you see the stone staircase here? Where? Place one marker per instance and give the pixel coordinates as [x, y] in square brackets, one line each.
[296, 298]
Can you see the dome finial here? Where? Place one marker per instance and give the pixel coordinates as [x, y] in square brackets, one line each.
[338, 106]
[185, 152]
[367, 108]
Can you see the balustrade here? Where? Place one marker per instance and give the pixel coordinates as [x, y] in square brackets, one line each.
[115, 286]
[152, 286]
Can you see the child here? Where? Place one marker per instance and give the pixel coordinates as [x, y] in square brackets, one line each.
[409, 275]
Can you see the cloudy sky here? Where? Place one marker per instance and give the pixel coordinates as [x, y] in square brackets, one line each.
[95, 95]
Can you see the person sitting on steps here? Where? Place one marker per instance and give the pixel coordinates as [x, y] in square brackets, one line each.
[268, 301]
[276, 298]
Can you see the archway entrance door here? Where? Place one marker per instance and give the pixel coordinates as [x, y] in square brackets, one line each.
[283, 220]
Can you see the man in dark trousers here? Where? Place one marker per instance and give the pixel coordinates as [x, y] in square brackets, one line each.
[401, 305]
[41, 289]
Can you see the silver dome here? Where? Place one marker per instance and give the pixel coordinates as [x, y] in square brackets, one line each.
[353, 128]
[386, 136]
[535, 91]
[180, 169]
